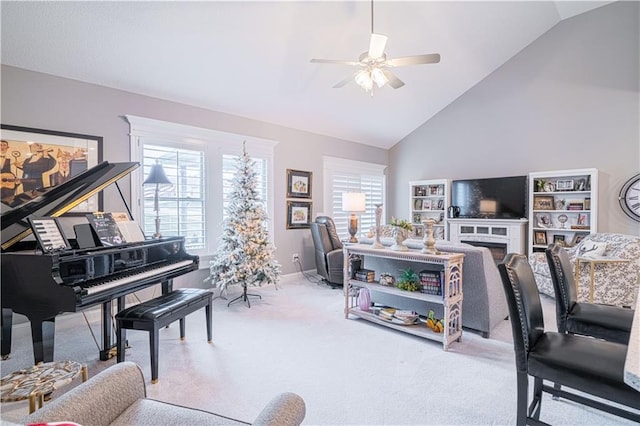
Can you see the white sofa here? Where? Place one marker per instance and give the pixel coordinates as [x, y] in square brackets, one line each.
[484, 304]
[614, 283]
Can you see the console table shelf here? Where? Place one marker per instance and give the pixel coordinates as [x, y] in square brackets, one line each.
[450, 264]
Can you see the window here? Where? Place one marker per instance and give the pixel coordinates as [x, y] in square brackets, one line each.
[353, 176]
[200, 163]
[181, 206]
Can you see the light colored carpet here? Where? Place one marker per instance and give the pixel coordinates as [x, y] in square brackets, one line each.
[296, 339]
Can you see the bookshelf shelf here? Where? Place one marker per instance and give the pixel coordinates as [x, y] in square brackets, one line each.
[449, 264]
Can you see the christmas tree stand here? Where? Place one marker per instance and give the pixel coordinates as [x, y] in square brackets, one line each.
[244, 297]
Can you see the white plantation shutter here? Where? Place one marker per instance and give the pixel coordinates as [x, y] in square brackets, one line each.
[353, 176]
[182, 204]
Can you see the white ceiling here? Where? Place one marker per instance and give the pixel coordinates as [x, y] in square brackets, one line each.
[251, 59]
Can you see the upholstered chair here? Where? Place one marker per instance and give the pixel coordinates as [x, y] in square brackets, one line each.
[328, 250]
[591, 319]
[593, 367]
[614, 283]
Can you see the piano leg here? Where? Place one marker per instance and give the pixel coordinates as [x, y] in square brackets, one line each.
[43, 335]
[7, 324]
[106, 352]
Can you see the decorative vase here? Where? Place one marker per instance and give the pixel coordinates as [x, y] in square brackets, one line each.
[364, 299]
[377, 244]
[429, 241]
[399, 235]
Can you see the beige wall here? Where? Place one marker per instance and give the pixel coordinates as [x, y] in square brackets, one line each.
[569, 100]
[31, 99]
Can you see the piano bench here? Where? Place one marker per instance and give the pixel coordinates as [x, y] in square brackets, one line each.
[157, 313]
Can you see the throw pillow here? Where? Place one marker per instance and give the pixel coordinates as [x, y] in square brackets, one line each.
[592, 249]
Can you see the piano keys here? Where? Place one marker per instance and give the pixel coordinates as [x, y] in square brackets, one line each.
[42, 285]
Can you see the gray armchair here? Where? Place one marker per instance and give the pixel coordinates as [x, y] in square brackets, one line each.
[117, 396]
[328, 249]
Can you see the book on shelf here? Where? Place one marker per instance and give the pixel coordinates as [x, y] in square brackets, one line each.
[365, 275]
[431, 282]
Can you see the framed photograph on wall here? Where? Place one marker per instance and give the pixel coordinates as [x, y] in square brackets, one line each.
[298, 214]
[36, 160]
[298, 184]
[540, 238]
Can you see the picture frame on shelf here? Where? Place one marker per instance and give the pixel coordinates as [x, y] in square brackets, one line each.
[564, 185]
[418, 232]
[543, 202]
[299, 183]
[559, 239]
[543, 220]
[417, 205]
[426, 205]
[417, 218]
[299, 214]
[577, 238]
[581, 184]
[440, 205]
[582, 219]
[41, 159]
[540, 238]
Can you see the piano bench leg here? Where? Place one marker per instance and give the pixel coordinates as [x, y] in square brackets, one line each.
[182, 328]
[121, 336]
[207, 310]
[154, 338]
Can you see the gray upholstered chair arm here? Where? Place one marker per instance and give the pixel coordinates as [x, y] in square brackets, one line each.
[286, 409]
[98, 401]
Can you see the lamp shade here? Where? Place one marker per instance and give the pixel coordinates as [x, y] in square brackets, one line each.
[157, 176]
[353, 202]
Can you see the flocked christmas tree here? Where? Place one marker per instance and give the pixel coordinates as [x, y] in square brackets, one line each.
[245, 255]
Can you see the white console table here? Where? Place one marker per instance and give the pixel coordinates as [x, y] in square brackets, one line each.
[451, 299]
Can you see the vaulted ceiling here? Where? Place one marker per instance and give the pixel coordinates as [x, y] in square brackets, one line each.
[251, 59]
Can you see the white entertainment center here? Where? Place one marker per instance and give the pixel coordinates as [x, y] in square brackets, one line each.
[512, 233]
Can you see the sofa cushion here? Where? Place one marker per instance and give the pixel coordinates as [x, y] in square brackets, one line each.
[148, 412]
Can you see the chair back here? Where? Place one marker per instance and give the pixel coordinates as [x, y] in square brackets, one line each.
[525, 309]
[325, 240]
[564, 285]
[331, 230]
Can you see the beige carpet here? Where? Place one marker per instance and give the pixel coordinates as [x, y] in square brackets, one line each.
[296, 339]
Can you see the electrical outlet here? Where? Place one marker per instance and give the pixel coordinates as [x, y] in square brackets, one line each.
[295, 258]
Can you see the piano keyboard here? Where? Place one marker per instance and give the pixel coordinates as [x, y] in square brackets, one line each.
[136, 277]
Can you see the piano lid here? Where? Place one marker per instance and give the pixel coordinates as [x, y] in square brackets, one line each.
[57, 200]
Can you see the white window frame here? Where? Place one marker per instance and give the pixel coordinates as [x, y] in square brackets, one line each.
[214, 144]
[332, 165]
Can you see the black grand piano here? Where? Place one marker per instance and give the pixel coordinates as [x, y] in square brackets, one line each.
[43, 285]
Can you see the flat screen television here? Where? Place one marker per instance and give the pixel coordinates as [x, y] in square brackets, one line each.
[491, 198]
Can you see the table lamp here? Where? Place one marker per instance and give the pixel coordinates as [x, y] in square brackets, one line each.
[157, 177]
[353, 202]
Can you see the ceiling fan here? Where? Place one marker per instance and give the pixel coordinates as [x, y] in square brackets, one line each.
[374, 65]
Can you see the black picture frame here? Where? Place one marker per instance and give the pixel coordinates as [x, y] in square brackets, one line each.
[540, 238]
[78, 151]
[49, 234]
[299, 183]
[299, 214]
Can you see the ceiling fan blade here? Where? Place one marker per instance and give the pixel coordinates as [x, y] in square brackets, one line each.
[334, 61]
[431, 58]
[343, 83]
[377, 45]
[394, 81]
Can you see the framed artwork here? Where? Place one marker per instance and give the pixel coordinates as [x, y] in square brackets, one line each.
[560, 239]
[564, 185]
[543, 202]
[298, 184]
[540, 238]
[35, 160]
[298, 214]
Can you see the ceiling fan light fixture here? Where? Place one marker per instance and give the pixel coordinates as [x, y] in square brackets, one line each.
[378, 76]
[364, 80]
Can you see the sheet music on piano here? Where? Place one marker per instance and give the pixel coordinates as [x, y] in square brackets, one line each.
[49, 235]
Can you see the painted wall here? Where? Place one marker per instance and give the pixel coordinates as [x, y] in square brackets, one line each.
[569, 100]
[31, 99]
